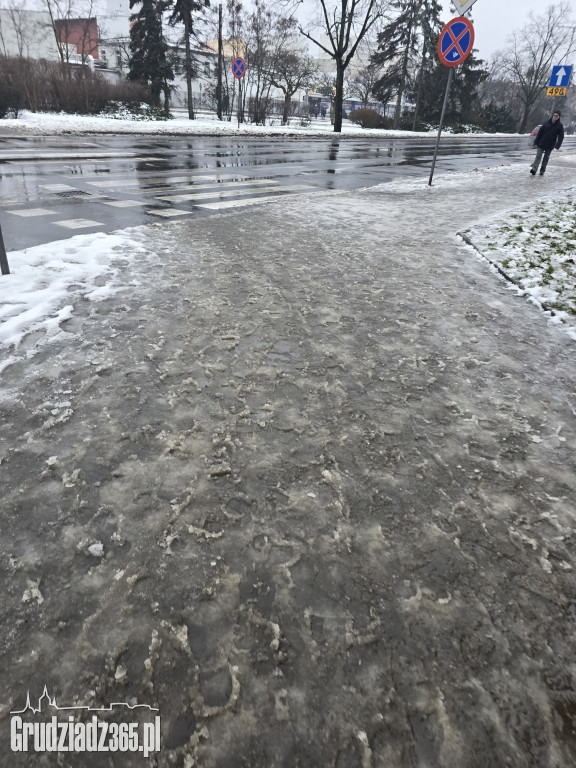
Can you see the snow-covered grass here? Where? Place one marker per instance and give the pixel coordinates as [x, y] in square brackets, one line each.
[205, 124]
[534, 246]
[46, 281]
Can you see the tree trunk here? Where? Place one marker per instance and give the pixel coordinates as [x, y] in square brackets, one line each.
[402, 88]
[339, 96]
[287, 99]
[188, 65]
[524, 121]
[419, 85]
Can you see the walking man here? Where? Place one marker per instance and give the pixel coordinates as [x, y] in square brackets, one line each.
[551, 134]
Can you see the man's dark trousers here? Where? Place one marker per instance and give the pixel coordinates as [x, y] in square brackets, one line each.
[536, 163]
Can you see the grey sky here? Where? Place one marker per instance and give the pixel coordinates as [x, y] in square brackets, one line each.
[495, 20]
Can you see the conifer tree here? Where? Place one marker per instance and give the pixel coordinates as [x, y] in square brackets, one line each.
[463, 101]
[149, 62]
[397, 47]
[183, 12]
[406, 48]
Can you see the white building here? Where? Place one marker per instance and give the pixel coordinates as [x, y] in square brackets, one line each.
[27, 33]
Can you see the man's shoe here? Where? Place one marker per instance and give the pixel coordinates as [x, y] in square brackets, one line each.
[532, 171]
[541, 173]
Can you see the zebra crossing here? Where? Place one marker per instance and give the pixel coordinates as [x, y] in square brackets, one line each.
[161, 195]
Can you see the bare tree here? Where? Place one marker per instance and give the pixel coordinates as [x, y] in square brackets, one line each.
[185, 12]
[363, 81]
[532, 52]
[19, 21]
[73, 20]
[235, 28]
[275, 59]
[292, 70]
[59, 9]
[260, 52]
[345, 24]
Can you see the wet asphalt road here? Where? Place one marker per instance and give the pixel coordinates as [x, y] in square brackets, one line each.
[54, 187]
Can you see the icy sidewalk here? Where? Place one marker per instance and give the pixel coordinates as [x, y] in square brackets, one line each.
[306, 485]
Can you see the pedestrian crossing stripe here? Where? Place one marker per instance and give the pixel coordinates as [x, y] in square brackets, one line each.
[124, 203]
[58, 187]
[79, 223]
[239, 203]
[218, 190]
[203, 188]
[33, 212]
[168, 212]
[113, 183]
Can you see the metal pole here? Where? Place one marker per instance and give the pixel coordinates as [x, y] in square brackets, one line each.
[440, 126]
[240, 101]
[3, 258]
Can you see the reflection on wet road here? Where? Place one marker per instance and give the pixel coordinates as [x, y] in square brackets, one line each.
[53, 187]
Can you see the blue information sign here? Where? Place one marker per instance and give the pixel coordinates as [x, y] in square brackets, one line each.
[560, 77]
[455, 41]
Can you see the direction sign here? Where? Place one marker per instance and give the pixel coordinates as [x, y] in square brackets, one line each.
[560, 76]
[462, 5]
[455, 41]
[239, 67]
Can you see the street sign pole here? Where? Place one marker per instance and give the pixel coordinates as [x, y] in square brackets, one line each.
[239, 70]
[454, 44]
[239, 99]
[3, 258]
[440, 126]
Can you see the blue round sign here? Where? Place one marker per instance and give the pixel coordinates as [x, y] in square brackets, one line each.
[238, 67]
[455, 41]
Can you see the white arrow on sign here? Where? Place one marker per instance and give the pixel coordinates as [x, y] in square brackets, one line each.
[560, 75]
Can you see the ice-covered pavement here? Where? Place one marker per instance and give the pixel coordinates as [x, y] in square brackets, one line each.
[304, 482]
[533, 246]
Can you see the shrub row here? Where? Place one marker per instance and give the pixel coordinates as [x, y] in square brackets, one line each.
[491, 122]
[49, 86]
[369, 118]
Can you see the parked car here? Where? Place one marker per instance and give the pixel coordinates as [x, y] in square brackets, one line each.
[535, 131]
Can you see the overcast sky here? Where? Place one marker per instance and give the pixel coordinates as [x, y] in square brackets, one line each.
[495, 20]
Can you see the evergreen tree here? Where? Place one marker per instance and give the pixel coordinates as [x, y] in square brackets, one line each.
[464, 97]
[430, 28]
[496, 118]
[463, 101]
[406, 49]
[149, 61]
[182, 12]
[396, 49]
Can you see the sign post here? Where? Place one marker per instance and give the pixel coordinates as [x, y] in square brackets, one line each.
[454, 45]
[239, 70]
[3, 258]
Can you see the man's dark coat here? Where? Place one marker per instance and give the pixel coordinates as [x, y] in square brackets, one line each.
[550, 134]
